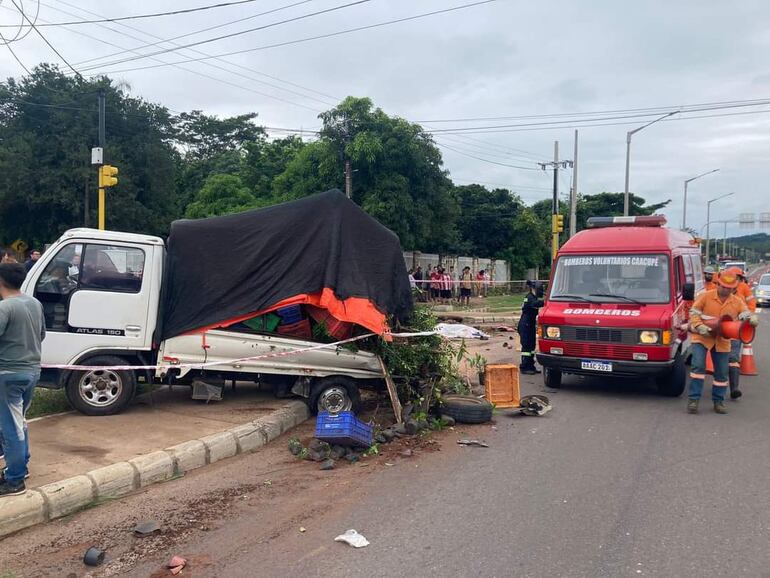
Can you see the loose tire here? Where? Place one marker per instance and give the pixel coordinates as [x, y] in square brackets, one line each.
[673, 383]
[551, 378]
[467, 409]
[334, 394]
[101, 391]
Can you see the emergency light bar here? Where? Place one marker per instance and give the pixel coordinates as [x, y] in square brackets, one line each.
[653, 221]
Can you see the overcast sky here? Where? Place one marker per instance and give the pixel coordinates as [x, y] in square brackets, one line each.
[507, 58]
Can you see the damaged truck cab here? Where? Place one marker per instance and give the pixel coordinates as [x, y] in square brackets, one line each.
[618, 303]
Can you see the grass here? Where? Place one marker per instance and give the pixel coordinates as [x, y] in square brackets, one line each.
[499, 303]
[46, 402]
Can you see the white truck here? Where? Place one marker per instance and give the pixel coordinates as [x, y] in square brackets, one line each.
[101, 295]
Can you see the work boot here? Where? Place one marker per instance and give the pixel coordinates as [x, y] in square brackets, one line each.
[719, 407]
[692, 406]
[735, 380]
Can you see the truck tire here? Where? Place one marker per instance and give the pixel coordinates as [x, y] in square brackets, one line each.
[672, 384]
[466, 408]
[101, 391]
[334, 394]
[551, 378]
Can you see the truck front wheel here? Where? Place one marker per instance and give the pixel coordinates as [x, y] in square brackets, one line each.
[101, 391]
[551, 378]
[672, 384]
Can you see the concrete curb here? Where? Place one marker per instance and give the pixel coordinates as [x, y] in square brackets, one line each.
[62, 498]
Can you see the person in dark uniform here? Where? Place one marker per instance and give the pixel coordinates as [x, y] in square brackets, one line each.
[527, 327]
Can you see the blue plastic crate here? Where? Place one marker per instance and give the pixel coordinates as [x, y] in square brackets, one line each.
[290, 315]
[343, 428]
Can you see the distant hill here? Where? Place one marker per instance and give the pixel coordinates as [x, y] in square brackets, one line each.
[758, 242]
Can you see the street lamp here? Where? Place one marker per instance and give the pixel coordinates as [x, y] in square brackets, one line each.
[629, 134]
[684, 204]
[708, 222]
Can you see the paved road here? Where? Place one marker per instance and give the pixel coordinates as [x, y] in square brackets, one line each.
[615, 482]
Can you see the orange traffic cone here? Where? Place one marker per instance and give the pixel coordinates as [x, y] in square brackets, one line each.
[709, 363]
[748, 367]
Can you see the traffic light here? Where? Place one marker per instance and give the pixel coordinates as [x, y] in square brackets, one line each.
[557, 223]
[108, 176]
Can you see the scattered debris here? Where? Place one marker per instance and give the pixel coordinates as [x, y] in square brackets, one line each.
[295, 447]
[176, 564]
[388, 434]
[302, 530]
[407, 453]
[338, 452]
[505, 328]
[448, 420]
[327, 464]
[458, 331]
[93, 556]
[535, 405]
[353, 538]
[146, 528]
[352, 457]
[380, 438]
[318, 450]
[388, 464]
[411, 427]
[472, 443]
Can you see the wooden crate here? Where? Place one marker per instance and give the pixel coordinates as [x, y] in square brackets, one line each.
[502, 385]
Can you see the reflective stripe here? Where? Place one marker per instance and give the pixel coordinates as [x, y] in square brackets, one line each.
[694, 311]
[720, 384]
[698, 375]
[527, 353]
[735, 364]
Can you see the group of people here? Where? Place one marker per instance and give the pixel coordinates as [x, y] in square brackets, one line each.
[8, 256]
[439, 285]
[727, 294]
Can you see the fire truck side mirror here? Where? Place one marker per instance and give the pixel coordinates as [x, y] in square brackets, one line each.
[688, 292]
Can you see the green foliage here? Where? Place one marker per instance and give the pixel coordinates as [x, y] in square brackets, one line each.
[221, 195]
[47, 402]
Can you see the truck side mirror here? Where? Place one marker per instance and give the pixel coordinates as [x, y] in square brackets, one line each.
[688, 292]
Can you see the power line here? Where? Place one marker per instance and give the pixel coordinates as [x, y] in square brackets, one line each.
[19, 36]
[51, 46]
[486, 160]
[231, 35]
[141, 16]
[318, 37]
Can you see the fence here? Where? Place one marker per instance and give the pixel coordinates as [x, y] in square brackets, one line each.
[498, 270]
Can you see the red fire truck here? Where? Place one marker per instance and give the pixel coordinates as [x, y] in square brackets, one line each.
[618, 302]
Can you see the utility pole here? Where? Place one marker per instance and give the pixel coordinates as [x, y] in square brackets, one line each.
[724, 241]
[574, 191]
[557, 220]
[102, 200]
[348, 179]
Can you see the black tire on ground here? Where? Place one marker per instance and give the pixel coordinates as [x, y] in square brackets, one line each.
[551, 378]
[467, 408]
[101, 392]
[673, 383]
[336, 393]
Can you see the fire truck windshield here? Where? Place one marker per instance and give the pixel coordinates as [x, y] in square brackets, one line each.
[612, 278]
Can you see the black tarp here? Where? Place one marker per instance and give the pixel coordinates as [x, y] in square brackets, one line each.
[223, 268]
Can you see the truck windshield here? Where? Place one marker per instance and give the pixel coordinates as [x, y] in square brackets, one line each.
[612, 278]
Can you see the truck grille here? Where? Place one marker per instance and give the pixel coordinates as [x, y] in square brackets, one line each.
[599, 335]
[600, 351]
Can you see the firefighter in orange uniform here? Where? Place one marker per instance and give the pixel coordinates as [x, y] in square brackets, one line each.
[708, 309]
[744, 292]
[710, 275]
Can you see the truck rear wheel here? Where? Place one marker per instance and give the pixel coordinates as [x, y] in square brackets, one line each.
[101, 391]
[551, 378]
[334, 394]
[672, 384]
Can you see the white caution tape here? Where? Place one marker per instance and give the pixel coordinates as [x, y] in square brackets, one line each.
[231, 361]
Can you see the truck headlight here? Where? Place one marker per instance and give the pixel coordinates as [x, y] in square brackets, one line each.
[649, 337]
[553, 333]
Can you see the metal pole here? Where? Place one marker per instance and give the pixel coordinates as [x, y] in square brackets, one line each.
[626, 200]
[724, 242]
[574, 192]
[708, 233]
[684, 207]
[554, 232]
[348, 179]
[102, 138]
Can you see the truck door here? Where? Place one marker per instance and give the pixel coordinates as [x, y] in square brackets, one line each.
[95, 296]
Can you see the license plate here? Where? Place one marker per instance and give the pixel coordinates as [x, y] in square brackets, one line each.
[604, 366]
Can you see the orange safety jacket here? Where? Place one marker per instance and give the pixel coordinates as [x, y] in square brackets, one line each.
[708, 306]
[745, 292]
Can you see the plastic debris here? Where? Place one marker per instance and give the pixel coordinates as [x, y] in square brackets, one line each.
[353, 538]
[146, 528]
[302, 530]
[458, 331]
[472, 443]
[93, 556]
[535, 405]
[176, 564]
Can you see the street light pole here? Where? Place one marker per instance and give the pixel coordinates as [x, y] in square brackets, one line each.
[708, 225]
[684, 204]
[629, 134]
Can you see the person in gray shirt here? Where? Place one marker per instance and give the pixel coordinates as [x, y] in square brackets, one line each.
[22, 330]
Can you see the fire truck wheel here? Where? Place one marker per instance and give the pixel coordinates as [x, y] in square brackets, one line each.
[673, 383]
[551, 378]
